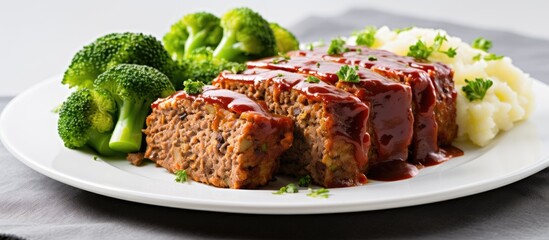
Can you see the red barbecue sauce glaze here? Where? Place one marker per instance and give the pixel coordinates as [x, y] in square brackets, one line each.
[399, 170]
[422, 78]
[391, 140]
[233, 102]
[349, 115]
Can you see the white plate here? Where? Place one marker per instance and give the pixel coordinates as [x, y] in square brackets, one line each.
[28, 131]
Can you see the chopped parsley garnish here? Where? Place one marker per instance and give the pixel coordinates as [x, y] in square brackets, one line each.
[310, 46]
[317, 64]
[438, 41]
[318, 193]
[281, 57]
[482, 44]
[477, 57]
[337, 46]
[280, 75]
[366, 37]
[359, 51]
[348, 74]
[181, 176]
[290, 188]
[304, 181]
[284, 55]
[237, 68]
[489, 57]
[492, 57]
[420, 50]
[372, 58]
[451, 52]
[264, 147]
[399, 30]
[476, 89]
[193, 87]
[95, 158]
[312, 79]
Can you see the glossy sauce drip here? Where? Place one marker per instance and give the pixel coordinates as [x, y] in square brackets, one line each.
[391, 116]
[440, 76]
[424, 148]
[431, 82]
[417, 75]
[348, 115]
[392, 171]
[397, 170]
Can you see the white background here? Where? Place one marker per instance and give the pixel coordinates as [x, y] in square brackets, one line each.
[39, 38]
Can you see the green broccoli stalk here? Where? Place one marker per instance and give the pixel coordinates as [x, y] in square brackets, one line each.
[134, 88]
[246, 36]
[204, 31]
[285, 40]
[117, 48]
[86, 118]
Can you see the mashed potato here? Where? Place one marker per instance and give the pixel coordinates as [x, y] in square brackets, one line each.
[510, 99]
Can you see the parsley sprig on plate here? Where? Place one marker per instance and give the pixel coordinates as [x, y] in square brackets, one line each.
[181, 176]
[304, 181]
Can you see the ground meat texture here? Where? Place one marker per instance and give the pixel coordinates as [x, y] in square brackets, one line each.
[331, 142]
[219, 137]
[433, 95]
[136, 159]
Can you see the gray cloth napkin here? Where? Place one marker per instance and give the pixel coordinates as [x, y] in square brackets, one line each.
[33, 206]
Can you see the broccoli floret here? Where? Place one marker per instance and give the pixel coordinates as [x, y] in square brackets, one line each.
[285, 40]
[86, 118]
[204, 31]
[116, 48]
[174, 40]
[200, 66]
[134, 88]
[246, 36]
[193, 31]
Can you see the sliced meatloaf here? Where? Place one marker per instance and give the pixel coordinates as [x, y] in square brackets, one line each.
[433, 94]
[219, 137]
[331, 141]
[409, 70]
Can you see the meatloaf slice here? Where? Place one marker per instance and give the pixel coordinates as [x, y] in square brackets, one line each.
[433, 94]
[391, 119]
[219, 137]
[331, 142]
[408, 70]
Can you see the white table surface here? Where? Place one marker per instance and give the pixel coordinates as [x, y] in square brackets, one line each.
[39, 38]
